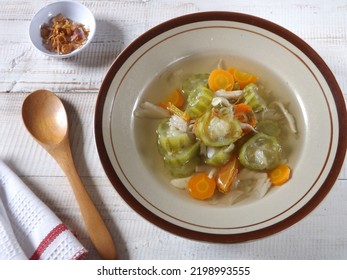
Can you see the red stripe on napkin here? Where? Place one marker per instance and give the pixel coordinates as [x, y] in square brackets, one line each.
[48, 240]
[80, 255]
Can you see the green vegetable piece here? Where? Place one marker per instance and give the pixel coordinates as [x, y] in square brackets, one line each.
[179, 150]
[252, 97]
[184, 170]
[193, 82]
[219, 158]
[199, 102]
[261, 152]
[172, 144]
[269, 127]
[218, 129]
[183, 156]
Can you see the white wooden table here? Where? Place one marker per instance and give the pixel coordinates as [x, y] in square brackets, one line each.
[322, 24]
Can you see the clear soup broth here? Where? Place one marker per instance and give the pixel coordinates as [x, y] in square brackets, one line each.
[172, 77]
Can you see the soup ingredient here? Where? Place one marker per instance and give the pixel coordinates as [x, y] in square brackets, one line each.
[218, 127]
[199, 100]
[151, 111]
[220, 79]
[220, 101]
[178, 112]
[244, 113]
[178, 147]
[217, 156]
[175, 97]
[201, 186]
[252, 183]
[180, 183]
[182, 163]
[193, 82]
[184, 170]
[269, 127]
[279, 175]
[62, 35]
[289, 117]
[261, 152]
[234, 94]
[242, 78]
[172, 139]
[223, 138]
[226, 175]
[252, 98]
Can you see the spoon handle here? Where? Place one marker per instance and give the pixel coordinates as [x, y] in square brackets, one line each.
[94, 223]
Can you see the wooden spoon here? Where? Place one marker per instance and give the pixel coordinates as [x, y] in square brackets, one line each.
[45, 118]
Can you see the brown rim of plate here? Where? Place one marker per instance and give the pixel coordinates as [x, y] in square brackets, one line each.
[234, 17]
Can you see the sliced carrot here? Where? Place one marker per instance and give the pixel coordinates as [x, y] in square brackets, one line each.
[175, 97]
[242, 108]
[174, 110]
[226, 175]
[220, 79]
[201, 186]
[244, 113]
[242, 78]
[280, 175]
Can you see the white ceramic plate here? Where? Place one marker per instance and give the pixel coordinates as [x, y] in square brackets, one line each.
[285, 64]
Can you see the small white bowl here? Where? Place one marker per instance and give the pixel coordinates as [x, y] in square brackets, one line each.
[73, 10]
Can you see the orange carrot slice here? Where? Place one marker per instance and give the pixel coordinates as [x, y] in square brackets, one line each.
[242, 78]
[226, 175]
[244, 113]
[200, 186]
[220, 79]
[175, 97]
[279, 175]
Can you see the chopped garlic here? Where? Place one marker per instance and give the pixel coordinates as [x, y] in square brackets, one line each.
[218, 128]
[178, 123]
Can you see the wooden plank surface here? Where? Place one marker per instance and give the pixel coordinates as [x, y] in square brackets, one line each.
[322, 24]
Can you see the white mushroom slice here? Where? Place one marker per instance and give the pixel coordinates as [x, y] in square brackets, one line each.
[246, 126]
[220, 101]
[234, 94]
[289, 117]
[230, 148]
[180, 183]
[253, 184]
[151, 111]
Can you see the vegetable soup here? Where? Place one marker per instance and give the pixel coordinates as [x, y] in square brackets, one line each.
[222, 128]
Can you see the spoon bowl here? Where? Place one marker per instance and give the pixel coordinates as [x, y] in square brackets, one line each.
[45, 118]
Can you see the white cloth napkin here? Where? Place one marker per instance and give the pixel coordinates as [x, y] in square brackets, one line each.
[28, 228]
